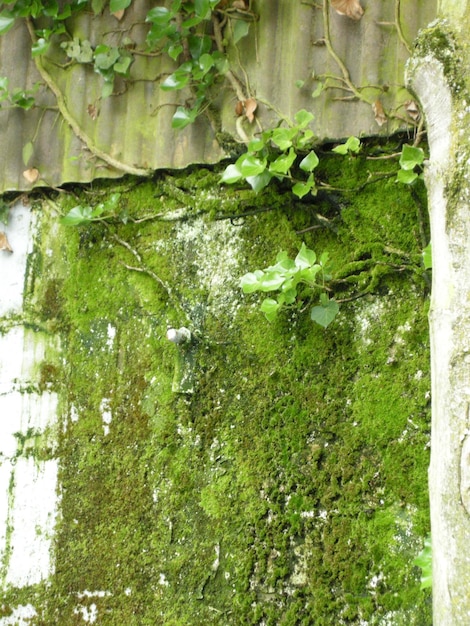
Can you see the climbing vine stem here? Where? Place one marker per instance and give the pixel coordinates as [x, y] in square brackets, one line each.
[74, 125]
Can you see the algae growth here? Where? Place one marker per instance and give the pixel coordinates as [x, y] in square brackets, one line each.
[290, 486]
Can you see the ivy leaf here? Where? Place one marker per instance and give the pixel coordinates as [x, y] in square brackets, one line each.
[159, 15]
[303, 118]
[424, 561]
[118, 5]
[202, 7]
[309, 274]
[407, 177]
[251, 166]
[250, 281]
[183, 117]
[6, 23]
[326, 312]
[427, 257]
[199, 45]
[177, 80]
[318, 90]
[123, 64]
[221, 62]
[305, 258]
[21, 99]
[260, 181]
[302, 189]
[310, 162]
[240, 30]
[271, 280]
[283, 137]
[85, 52]
[4, 212]
[206, 62]
[39, 47]
[290, 295]
[231, 174]
[78, 215]
[97, 6]
[107, 89]
[174, 51]
[305, 139]
[270, 308]
[410, 157]
[105, 57]
[353, 145]
[28, 150]
[283, 163]
[4, 86]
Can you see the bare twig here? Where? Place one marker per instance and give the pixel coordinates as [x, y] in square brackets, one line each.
[143, 269]
[235, 82]
[401, 36]
[333, 54]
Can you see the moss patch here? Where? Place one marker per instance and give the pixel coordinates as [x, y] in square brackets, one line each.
[291, 486]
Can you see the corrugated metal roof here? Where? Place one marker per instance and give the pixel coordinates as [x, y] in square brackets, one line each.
[286, 44]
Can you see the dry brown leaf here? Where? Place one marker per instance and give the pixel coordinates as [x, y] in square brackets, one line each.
[250, 107]
[379, 113]
[4, 243]
[239, 108]
[350, 8]
[119, 14]
[240, 4]
[93, 111]
[31, 175]
[412, 109]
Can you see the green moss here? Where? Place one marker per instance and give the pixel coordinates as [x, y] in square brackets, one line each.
[438, 41]
[290, 486]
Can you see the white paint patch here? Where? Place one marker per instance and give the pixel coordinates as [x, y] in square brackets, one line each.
[32, 519]
[106, 415]
[21, 616]
[89, 614]
[368, 317]
[28, 486]
[212, 250]
[111, 332]
[13, 265]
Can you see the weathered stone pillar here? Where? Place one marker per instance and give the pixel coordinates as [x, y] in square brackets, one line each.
[438, 73]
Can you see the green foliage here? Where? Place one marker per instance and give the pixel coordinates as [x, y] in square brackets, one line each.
[22, 98]
[50, 10]
[274, 154]
[84, 214]
[295, 280]
[424, 561]
[106, 60]
[4, 211]
[411, 164]
[351, 146]
[427, 257]
[180, 32]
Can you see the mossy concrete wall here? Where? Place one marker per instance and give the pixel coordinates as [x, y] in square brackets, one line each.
[267, 473]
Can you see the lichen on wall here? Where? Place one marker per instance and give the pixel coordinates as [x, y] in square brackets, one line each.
[287, 484]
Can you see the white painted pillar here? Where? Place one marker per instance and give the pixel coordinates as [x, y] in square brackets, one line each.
[28, 417]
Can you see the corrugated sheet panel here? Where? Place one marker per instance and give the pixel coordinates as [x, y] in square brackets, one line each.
[285, 48]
